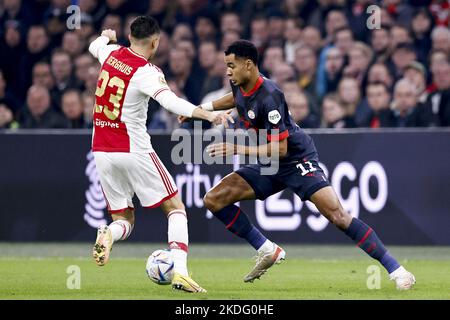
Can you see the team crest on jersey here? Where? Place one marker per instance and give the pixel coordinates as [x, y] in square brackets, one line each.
[162, 80]
[251, 114]
[274, 116]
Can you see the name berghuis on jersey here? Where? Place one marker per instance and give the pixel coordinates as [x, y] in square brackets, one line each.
[119, 65]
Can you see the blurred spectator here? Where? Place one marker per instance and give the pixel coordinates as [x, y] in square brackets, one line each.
[42, 75]
[276, 25]
[291, 86]
[421, 26]
[88, 108]
[378, 98]
[349, 94]
[415, 72]
[333, 69]
[440, 37]
[6, 98]
[300, 110]
[343, 39]
[206, 27]
[72, 44]
[272, 56]
[334, 114]
[11, 48]
[207, 54]
[61, 65]
[6, 117]
[292, 35]
[87, 28]
[306, 65]
[230, 22]
[312, 38]
[37, 50]
[82, 64]
[161, 10]
[73, 109]
[406, 111]
[379, 72]
[38, 113]
[380, 41]
[188, 82]
[438, 101]
[15, 10]
[360, 56]
[228, 38]
[400, 35]
[402, 55]
[259, 32]
[55, 20]
[90, 82]
[282, 72]
[182, 32]
[334, 21]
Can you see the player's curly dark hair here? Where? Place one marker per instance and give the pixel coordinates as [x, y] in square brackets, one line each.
[143, 27]
[243, 49]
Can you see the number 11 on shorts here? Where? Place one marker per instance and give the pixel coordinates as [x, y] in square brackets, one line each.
[304, 170]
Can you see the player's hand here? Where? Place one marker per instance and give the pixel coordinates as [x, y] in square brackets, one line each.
[223, 118]
[182, 119]
[221, 149]
[111, 34]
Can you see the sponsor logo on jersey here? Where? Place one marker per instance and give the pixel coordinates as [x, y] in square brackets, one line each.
[102, 124]
[274, 116]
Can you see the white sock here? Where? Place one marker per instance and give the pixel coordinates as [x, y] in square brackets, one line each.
[120, 229]
[178, 240]
[267, 247]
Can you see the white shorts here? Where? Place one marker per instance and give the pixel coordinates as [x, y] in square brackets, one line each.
[124, 174]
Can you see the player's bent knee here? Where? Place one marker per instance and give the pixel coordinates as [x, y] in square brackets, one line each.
[340, 218]
[213, 201]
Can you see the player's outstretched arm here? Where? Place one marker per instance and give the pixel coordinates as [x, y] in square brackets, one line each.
[170, 101]
[224, 103]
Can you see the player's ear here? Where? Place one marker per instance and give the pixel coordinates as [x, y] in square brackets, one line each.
[248, 64]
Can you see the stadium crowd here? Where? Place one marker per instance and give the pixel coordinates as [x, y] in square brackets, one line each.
[335, 68]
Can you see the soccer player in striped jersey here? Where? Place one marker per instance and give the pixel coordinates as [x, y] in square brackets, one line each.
[126, 162]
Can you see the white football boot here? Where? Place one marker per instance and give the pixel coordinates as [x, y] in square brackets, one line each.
[404, 280]
[103, 245]
[264, 261]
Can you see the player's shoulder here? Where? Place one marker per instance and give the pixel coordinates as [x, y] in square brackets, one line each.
[151, 69]
[271, 87]
[271, 96]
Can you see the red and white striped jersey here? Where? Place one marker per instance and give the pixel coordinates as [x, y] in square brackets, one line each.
[126, 83]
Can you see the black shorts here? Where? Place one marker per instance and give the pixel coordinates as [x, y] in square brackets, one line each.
[303, 178]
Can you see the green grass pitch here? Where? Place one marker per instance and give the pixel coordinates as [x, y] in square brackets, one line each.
[39, 271]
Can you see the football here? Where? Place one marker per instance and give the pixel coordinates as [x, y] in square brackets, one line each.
[160, 266]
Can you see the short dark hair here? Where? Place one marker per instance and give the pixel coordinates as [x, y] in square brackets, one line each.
[143, 27]
[243, 49]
